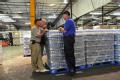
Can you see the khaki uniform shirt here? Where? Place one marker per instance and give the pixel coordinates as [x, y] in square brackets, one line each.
[34, 32]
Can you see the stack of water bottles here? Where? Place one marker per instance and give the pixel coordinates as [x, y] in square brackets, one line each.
[117, 47]
[55, 49]
[26, 43]
[79, 49]
[91, 47]
[99, 47]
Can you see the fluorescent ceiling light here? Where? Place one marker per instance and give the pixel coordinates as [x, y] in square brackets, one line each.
[8, 20]
[53, 16]
[27, 23]
[52, 4]
[108, 17]
[65, 1]
[95, 13]
[3, 14]
[17, 16]
[5, 18]
[116, 14]
[2, 17]
[19, 12]
[27, 4]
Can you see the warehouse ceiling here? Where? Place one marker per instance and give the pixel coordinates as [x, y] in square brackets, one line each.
[108, 14]
[17, 12]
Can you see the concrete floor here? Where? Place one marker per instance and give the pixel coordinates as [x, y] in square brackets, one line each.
[17, 67]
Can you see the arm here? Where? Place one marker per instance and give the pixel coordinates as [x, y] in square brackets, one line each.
[41, 34]
[38, 34]
[62, 29]
[66, 27]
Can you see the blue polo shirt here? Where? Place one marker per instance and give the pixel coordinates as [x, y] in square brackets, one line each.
[69, 26]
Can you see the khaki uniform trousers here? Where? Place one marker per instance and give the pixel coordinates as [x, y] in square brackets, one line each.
[36, 57]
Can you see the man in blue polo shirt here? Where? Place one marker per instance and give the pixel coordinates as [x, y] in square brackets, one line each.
[69, 40]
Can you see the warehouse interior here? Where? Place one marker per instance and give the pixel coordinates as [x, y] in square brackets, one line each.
[90, 16]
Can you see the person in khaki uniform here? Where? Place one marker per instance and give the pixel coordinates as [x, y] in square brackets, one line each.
[36, 56]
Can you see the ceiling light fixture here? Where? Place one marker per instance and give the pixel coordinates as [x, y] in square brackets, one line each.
[53, 16]
[2, 17]
[8, 20]
[17, 17]
[116, 14]
[3, 14]
[19, 12]
[27, 23]
[107, 17]
[65, 1]
[52, 5]
[27, 4]
[96, 13]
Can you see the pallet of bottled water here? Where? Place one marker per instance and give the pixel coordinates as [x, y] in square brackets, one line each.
[26, 43]
[117, 47]
[55, 48]
[79, 47]
[99, 47]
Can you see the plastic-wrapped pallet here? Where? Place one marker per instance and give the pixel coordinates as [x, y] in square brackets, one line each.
[99, 47]
[27, 51]
[1, 54]
[79, 47]
[117, 47]
[55, 48]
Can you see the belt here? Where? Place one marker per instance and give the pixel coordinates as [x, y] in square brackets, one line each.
[33, 41]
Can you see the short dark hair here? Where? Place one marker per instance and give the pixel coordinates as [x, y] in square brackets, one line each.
[67, 13]
[37, 20]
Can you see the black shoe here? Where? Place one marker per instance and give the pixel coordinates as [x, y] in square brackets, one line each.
[46, 66]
